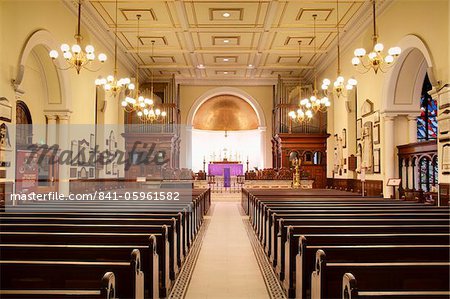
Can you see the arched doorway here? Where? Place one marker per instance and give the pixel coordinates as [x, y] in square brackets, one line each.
[24, 132]
[226, 128]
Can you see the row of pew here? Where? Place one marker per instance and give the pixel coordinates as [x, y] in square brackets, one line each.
[92, 249]
[340, 246]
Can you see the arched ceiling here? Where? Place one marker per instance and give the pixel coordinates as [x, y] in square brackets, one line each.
[225, 113]
[198, 39]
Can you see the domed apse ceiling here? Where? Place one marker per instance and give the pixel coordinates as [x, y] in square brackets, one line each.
[225, 113]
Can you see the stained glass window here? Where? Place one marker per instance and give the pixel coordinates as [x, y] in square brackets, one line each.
[427, 121]
[428, 173]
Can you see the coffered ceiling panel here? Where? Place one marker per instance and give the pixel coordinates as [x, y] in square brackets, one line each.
[300, 13]
[249, 14]
[156, 14]
[207, 39]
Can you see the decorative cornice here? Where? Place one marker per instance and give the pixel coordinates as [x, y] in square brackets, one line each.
[102, 33]
[232, 82]
[354, 28]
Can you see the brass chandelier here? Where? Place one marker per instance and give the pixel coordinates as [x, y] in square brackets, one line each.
[111, 82]
[133, 100]
[339, 87]
[150, 113]
[303, 113]
[376, 60]
[317, 104]
[75, 57]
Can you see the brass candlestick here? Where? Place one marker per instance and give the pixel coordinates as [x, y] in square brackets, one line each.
[296, 177]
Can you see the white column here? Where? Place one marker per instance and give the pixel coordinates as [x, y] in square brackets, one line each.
[51, 129]
[64, 144]
[263, 151]
[189, 148]
[412, 127]
[410, 174]
[404, 171]
[389, 152]
[443, 99]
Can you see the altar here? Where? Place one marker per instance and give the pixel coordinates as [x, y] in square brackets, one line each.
[218, 168]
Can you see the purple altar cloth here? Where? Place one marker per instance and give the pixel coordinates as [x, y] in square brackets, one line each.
[217, 169]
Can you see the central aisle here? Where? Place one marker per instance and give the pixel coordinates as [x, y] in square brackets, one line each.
[226, 266]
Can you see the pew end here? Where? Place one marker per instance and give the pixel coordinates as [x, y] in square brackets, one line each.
[108, 289]
[300, 287]
[349, 290]
[155, 269]
[316, 276]
[138, 274]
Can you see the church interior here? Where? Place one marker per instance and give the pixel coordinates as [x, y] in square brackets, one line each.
[225, 149]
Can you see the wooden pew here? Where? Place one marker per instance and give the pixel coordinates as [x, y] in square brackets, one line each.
[266, 209]
[342, 207]
[358, 226]
[301, 251]
[326, 280]
[184, 228]
[149, 256]
[191, 214]
[123, 224]
[272, 225]
[352, 290]
[82, 252]
[106, 290]
[72, 229]
[58, 274]
[166, 257]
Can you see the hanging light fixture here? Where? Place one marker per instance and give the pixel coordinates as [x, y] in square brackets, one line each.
[133, 100]
[376, 59]
[111, 82]
[74, 56]
[150, 113]
[339, 86]
[303, 112]
[317, 104]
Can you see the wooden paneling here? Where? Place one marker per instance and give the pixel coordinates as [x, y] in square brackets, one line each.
[6, 188]
[444, 194]
[151, 145]
[371, 187]
[305, 145]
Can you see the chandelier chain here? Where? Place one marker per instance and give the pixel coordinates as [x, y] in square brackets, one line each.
[338, 38]
[115, 41]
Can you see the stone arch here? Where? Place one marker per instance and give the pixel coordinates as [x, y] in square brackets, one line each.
[226, 91]
[403, 83]
[43, 38]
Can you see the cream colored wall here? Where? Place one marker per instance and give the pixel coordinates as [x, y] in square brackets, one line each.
[263, 94]
[19, 20]
[427, 19]
[22, 18]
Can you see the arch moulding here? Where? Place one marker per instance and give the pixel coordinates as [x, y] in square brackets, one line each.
[408, 44]
[42, 38]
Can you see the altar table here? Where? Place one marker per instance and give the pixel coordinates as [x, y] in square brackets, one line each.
[218, 169]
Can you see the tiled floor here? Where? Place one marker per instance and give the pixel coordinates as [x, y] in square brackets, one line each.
[226, 266]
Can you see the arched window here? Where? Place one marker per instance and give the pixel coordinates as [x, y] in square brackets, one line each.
[24, 132]
[427, 124]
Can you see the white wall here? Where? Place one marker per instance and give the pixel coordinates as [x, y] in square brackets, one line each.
[244, 143]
